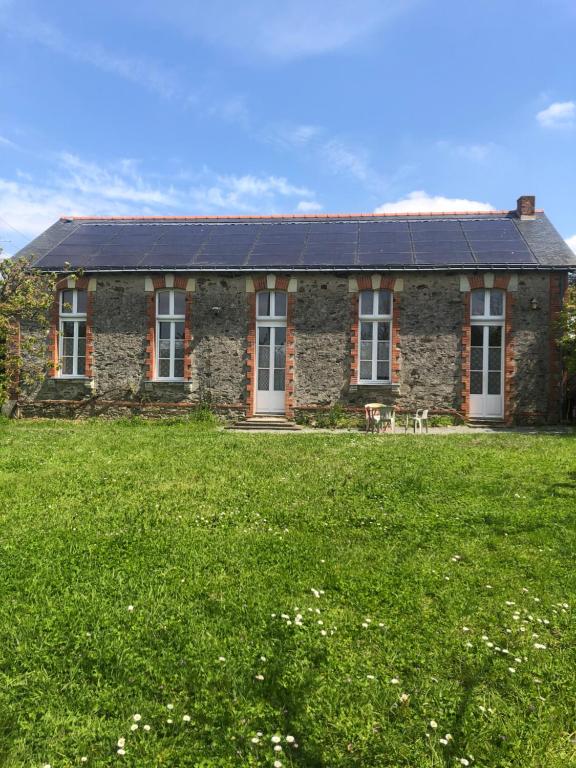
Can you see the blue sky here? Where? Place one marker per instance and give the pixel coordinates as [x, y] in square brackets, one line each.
[195, 107]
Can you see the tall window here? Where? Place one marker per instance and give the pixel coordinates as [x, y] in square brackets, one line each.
[375, 334]
[72, 338]
[170, 317]
[487, 307]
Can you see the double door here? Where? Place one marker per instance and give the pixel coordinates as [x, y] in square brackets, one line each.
[487, 370]
[271, 366]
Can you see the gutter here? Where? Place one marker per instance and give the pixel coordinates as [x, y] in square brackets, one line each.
[304, 268]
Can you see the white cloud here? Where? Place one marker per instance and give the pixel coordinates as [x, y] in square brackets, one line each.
[309, 206]
[74, 186]
[560, 114]
[421, 202]
[7, 143]
[142, 71]
[475, 152]
[572, 242]
[281, 30]
[343, 158]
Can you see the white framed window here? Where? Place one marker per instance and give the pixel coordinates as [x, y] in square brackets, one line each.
[170, 320]
[72, 336]
[487, 304]
[271, 305]
[375, 333]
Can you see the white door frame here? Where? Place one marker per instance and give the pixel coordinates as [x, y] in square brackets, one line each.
[487, 406]
[270, 400]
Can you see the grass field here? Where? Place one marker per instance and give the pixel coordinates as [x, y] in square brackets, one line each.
[196, 598]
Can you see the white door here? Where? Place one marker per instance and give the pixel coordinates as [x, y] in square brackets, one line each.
[486, 370]
[271, 366]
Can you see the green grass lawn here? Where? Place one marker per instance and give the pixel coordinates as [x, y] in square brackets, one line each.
[153, 575]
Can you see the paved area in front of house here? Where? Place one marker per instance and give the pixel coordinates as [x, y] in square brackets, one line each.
[463, 429]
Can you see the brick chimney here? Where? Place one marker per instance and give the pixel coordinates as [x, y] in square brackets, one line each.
[526, 207]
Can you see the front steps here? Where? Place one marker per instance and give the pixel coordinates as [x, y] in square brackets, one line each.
[265, 423]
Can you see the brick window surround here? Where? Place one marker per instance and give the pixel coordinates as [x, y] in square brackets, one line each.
[500, 282]
[270, 283]
[81, 284]
[160, 283]
[367, 283]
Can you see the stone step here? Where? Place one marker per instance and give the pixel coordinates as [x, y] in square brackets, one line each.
[265, 424]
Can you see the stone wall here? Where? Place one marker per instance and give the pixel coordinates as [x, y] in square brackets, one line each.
[431, 317]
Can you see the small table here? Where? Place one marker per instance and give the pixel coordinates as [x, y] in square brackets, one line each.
[379, 416]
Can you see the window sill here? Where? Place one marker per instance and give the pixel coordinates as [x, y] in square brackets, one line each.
[384, 385]
[87, 381]
[184, 383]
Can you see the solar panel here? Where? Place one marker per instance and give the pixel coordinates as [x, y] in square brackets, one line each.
[256, 244]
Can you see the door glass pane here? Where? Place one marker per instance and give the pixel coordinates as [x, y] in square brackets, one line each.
[478, 302]
[384, 302]
[495, 358]
[496, 303]
[494, 383]
[279, 356]
[476, 382]
[279, 380]
[163, 302]
[81, 302]
[164, 368]
[495, 336]
[164, 330]
[263, 378]
[366, 370]
[179, 330]
[383, 331]
[179, 368]
[476, 359]
[366, 331]
[67, 299]
[477, 335]
[264, 356]
[366, 302]
[179, 303]
[263, 304]
[280, 301]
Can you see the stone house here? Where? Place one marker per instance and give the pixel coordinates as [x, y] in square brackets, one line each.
[293, 314]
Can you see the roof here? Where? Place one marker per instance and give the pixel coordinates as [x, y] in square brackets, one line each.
[338, 242]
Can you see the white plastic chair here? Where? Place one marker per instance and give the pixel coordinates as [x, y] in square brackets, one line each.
[419, 419]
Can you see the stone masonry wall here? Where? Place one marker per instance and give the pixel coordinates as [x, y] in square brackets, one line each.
[531, 347]
[431, 316]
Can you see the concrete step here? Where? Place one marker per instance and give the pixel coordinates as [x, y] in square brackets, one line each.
[265, 424]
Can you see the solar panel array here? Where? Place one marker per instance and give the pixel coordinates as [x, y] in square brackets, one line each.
[257, 244]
